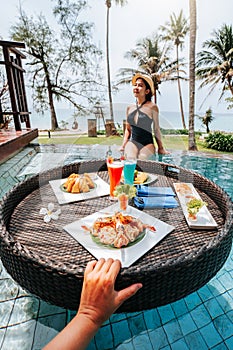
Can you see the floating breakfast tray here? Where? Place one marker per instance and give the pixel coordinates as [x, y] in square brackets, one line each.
[185, 192]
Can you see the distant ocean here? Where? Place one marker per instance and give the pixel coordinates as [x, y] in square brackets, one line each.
[168, 120]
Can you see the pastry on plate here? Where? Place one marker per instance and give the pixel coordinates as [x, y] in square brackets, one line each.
[77, 183]
[140, 177]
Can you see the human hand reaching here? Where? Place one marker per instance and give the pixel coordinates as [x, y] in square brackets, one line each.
[99, 299]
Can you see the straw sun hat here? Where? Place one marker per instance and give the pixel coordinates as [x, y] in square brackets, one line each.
[147, 78]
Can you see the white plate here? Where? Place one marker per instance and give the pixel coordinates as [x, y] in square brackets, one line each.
[101, 189]
[204, 219]
[127, 255]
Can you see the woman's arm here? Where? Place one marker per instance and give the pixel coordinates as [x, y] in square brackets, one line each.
[98, 301]
[157, 132]
[127, 132]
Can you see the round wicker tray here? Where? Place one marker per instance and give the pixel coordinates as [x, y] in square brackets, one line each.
[49, 263]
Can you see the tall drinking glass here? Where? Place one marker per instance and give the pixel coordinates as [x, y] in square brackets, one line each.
[129, 168]
[115, 168]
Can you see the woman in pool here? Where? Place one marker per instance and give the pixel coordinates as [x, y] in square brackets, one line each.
[138, 139]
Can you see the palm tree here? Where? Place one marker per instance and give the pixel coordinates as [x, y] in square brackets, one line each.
[175, 30]
[193, 29]
[215, 64]
[109, 4]
[151, 59]
[207, 119]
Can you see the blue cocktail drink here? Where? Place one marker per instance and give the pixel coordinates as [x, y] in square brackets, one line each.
[129, 168]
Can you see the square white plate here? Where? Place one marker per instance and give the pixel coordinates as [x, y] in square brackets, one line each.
[204, 219]
[101, 189]
[127, 255]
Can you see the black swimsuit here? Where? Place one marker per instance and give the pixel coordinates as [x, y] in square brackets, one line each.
[141, 134]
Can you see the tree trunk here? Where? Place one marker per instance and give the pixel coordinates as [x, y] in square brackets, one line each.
[193, 28]
[54, 123]
[179, 89]
[230, 86]
[108, 67]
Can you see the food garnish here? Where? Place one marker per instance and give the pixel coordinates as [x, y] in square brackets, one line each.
[126, 189]
[110, 159]
[193, 207]
[124, 193]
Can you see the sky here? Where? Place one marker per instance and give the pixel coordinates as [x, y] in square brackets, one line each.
[137, 20]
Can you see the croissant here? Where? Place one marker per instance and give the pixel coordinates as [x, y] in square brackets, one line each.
[83, 185]
[76, 186]
[89, 180]
[76, 183]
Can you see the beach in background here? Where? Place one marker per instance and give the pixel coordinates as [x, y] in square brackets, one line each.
[168, 120]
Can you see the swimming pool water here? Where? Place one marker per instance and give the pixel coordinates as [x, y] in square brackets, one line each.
[218, 170]
[203, 320]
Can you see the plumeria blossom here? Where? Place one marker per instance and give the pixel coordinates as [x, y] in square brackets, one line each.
[49, 214]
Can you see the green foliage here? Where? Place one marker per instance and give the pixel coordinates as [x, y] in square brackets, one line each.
[207, 119]
[127, 189]
[153, 57]
[174, 131]
[230, 101]
[177, 132]
[220, 141]
[60, 57]
[215, 60]
[64, 124]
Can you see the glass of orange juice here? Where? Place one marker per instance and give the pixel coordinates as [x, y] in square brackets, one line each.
[115, 167]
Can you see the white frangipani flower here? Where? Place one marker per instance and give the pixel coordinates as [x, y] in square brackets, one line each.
[49, 214]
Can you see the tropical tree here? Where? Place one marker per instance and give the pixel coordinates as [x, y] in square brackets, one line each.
[207, 119]
[152, 58]
[192, 51]
[109, 4]
[175, 31]
[215, 63]
[61, 62]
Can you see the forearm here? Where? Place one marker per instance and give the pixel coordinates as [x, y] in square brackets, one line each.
[126, 138]
[158, 138]
[75, 336]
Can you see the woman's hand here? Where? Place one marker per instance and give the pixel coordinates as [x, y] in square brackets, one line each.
[162, 151]
[99, 299]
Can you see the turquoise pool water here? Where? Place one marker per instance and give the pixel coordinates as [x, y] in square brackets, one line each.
[203, 320]
[219, 170]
